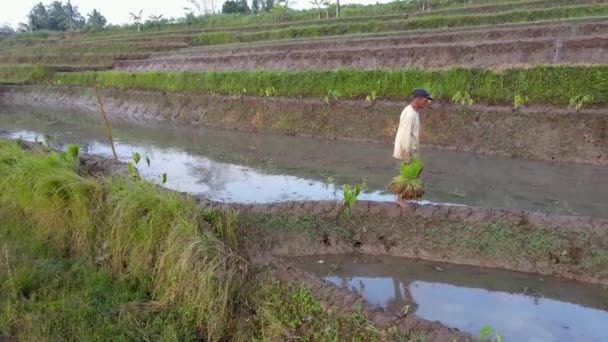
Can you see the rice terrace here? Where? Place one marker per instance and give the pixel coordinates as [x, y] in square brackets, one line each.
[416, 170]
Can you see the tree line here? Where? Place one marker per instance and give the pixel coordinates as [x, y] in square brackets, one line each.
[59, 16]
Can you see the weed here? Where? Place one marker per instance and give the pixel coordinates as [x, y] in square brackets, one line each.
[47, 141]
[136, 157]
[269, 91]
[419, 337]
[331, 94]
[488, 332]
[462, 98]
[70, 156]
[350, 195]
[132, 171]
[519, 100]
[163, 178]
[372, 96]
[327, 181]
[577, 102]
[224, 224]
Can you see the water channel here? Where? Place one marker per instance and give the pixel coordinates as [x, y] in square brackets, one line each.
[519, 306]
[244, 167]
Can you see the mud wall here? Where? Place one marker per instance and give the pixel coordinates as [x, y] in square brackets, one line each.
[555, 30]
[567, 246]
[534, 132]
[529, 51]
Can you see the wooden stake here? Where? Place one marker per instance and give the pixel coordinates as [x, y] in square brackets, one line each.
[105, 122]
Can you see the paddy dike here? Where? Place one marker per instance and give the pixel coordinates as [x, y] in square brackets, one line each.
[577, 41]
[533, 132]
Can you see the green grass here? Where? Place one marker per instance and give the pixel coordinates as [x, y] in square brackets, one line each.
[431, 22]
[542, 84]
[24, 73]
[286, 310]
[46, 296]
[122, 259]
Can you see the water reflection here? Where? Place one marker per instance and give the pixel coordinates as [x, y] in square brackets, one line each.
[521, 307]
[215, 180]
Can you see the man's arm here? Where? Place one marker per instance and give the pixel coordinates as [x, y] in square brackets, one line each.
[406, 137]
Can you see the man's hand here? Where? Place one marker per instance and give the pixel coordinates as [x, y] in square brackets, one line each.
[406, 157]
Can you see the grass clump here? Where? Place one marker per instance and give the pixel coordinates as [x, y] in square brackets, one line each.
[45, 296]
[407, 185]
[290, 312]
[146, 236]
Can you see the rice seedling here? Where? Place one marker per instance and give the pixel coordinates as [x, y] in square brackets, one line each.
[407, 185]
[540, 83]
[519, 100]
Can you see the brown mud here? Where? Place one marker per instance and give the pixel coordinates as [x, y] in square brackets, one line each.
[532, 132]
[565, 246]
[492, 53]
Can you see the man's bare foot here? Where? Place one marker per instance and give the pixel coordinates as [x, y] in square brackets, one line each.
[402, 203]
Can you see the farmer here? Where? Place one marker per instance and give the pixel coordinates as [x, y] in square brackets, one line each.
[407, 140]
[406, 143]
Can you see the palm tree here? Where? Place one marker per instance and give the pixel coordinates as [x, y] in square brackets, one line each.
[317, 3]
[137, 19]
[327, 5]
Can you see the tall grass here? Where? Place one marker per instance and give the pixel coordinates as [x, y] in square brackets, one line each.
[138, 232]
[128, 260]
[431, 22]
[549, 84]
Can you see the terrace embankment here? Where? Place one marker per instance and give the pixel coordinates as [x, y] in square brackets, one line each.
[580, 41]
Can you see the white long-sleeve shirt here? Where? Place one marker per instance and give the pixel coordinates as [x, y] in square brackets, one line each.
[407, 141]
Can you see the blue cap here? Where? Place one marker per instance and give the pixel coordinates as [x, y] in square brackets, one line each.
[420, 92]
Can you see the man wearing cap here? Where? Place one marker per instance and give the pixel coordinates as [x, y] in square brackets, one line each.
[407, 143]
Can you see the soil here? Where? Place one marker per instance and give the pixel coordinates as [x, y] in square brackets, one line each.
[387, 229]
[532, 132]
[566, 42]
[567, 29]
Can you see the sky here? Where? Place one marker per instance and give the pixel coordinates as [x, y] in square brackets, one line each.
[117, 11]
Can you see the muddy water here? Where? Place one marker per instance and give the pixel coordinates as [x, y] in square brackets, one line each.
[521, 307]
[242, 167]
